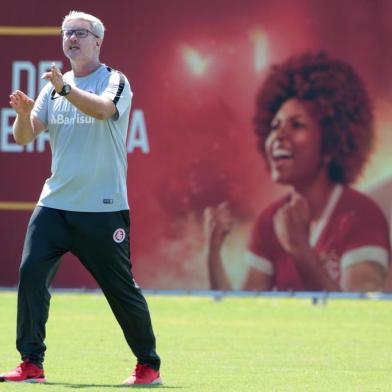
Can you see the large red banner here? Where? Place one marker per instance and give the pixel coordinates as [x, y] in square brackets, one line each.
[195, 68]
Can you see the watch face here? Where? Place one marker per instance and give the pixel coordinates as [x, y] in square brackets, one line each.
[65, 90]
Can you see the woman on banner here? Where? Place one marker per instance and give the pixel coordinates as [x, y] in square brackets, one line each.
[314, 124]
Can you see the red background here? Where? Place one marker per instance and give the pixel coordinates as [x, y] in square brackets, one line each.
[202, 148]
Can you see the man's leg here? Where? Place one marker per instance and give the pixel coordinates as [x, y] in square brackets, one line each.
[103, 247]
[46, 241]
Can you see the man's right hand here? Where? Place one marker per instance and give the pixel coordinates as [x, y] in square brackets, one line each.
[26, 127]
[21, 103]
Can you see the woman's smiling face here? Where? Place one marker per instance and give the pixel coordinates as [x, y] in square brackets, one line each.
[293, 146]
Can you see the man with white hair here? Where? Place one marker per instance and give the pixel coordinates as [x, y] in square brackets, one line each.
[83, 207]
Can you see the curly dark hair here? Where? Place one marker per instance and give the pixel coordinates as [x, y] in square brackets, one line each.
[340, 104]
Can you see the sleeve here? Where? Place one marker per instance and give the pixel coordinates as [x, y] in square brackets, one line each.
[119, 91]
[365, 235]
[263, 245]
[41, 105]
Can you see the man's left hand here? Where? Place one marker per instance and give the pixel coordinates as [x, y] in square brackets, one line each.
[55, 77]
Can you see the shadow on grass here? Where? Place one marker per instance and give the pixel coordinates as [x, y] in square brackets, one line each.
[76, 386]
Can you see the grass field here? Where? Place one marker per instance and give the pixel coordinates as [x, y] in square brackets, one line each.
[236, 344]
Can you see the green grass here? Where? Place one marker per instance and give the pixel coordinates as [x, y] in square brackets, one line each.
[237, 344]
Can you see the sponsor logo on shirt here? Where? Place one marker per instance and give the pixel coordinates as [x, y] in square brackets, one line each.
[61, 119]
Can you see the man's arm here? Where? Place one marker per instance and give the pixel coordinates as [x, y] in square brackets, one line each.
[91, 104]
[26, 127]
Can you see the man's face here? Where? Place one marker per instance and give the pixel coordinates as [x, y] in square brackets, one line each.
[79, 49]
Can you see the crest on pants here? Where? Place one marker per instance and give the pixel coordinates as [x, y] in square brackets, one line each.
[119, 235]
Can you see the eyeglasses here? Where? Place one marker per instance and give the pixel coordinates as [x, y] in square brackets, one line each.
[79, 33]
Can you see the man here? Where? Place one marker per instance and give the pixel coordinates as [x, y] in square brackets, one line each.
[83, 206]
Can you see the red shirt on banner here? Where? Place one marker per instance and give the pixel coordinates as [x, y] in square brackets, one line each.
[351, 229]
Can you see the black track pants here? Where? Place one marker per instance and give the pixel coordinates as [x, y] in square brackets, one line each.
[101, 242]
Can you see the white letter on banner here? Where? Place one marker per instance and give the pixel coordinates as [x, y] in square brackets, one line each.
[138, 133]
[6, 129]
[17, 68]
[30, 147]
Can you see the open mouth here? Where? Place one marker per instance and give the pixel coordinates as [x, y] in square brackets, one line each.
[280, 154]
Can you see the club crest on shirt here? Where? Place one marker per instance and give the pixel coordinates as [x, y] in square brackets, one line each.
[119, 235]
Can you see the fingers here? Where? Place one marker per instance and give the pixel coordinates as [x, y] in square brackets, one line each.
[281, 219]
[291, 224]
[20, 101]
[298, 208]
[47, 75]
[54, 75]
[219, 217]
[297, 200]
[14, 99]
[208, 212]
[222, 217]
[223, 205]
[17, 95]
[55, 70]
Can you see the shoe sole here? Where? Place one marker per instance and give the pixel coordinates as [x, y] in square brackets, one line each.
[28, 381]
[157, 381]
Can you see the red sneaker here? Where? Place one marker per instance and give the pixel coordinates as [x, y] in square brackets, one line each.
[144, 375]
[25, 372]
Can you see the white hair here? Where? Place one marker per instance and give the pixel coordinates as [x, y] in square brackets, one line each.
[97, 26]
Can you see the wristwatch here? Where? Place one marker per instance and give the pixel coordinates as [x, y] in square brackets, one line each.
[65, 90]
